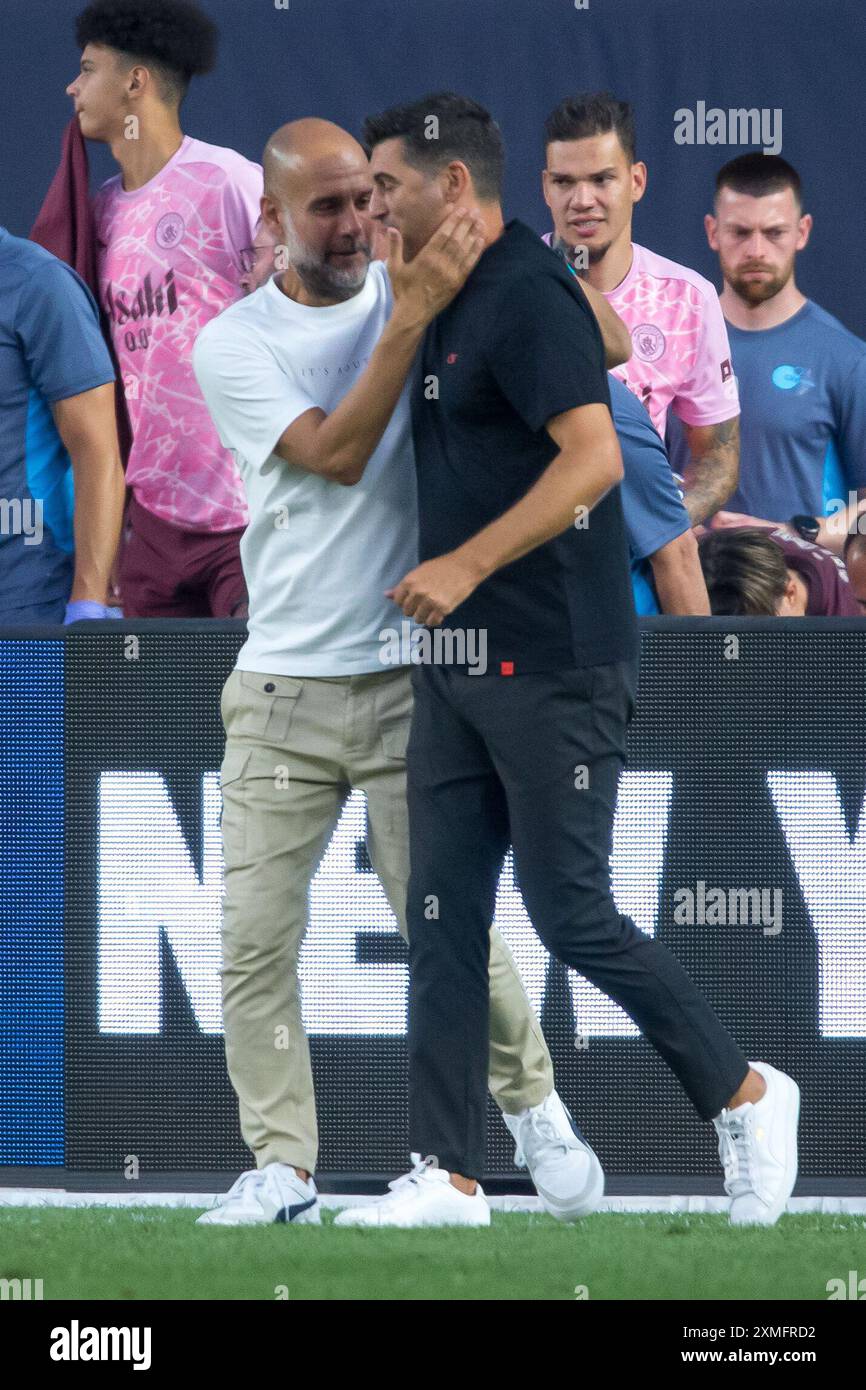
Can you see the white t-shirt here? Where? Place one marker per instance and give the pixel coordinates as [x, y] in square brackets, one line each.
[317, 556]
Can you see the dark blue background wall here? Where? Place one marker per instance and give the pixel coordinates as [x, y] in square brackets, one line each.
[344, 58]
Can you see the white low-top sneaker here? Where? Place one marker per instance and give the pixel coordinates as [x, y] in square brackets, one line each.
[424, 1197]
[264, 1195]
[758, 1148]
[566, 1173]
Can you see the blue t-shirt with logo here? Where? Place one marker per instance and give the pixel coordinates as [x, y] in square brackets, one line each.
[51, 348]
[802, 391]
[651, 501]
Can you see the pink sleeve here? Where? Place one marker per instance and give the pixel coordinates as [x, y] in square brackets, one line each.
[709, 396]
[242, 205]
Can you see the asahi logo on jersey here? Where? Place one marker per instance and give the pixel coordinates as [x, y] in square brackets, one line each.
[148, 302]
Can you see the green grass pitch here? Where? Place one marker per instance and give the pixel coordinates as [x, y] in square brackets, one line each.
[159, 1253]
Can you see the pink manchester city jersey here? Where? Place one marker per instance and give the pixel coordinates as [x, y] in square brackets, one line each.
[168, 263]
[680, 358]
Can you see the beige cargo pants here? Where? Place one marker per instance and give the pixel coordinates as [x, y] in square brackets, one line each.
[295, 748]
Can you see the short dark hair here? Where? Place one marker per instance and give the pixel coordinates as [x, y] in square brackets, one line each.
[592, 113]
[744, 570]
[759, 174]
[851, 540]
[174, 36]
[465, 131]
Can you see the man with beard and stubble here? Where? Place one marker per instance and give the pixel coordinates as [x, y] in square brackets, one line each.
[516, 442]
[801, 374]
[304, 379]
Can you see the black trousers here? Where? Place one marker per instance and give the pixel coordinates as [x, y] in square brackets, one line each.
[533, 761]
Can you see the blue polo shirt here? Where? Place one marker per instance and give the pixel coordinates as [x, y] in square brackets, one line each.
[651, 502]
[802, 392]
[51, 348]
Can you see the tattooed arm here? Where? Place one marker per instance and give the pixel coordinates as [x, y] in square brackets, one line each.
[714, 467]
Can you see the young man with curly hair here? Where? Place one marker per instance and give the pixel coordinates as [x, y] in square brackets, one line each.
[171, 227]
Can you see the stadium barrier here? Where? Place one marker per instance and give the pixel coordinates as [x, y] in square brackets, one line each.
[740, 839]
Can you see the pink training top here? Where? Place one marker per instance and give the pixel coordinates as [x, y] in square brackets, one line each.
[680, 358]
[168, 263]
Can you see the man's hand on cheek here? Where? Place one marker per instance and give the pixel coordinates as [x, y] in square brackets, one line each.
[424, 286]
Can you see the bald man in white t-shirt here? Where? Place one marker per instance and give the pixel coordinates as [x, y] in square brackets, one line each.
[304, 380]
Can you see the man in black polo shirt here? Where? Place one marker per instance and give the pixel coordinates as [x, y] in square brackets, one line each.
[522, 540]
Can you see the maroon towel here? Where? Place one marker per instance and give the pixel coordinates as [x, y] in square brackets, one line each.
[65, 222]
[65, 227]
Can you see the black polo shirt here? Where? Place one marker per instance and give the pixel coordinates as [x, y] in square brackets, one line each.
[517, 346]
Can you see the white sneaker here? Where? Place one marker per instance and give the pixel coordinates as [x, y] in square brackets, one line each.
[424, 1197]
[566, 1173]
[758, 1147]
[264, 1195]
